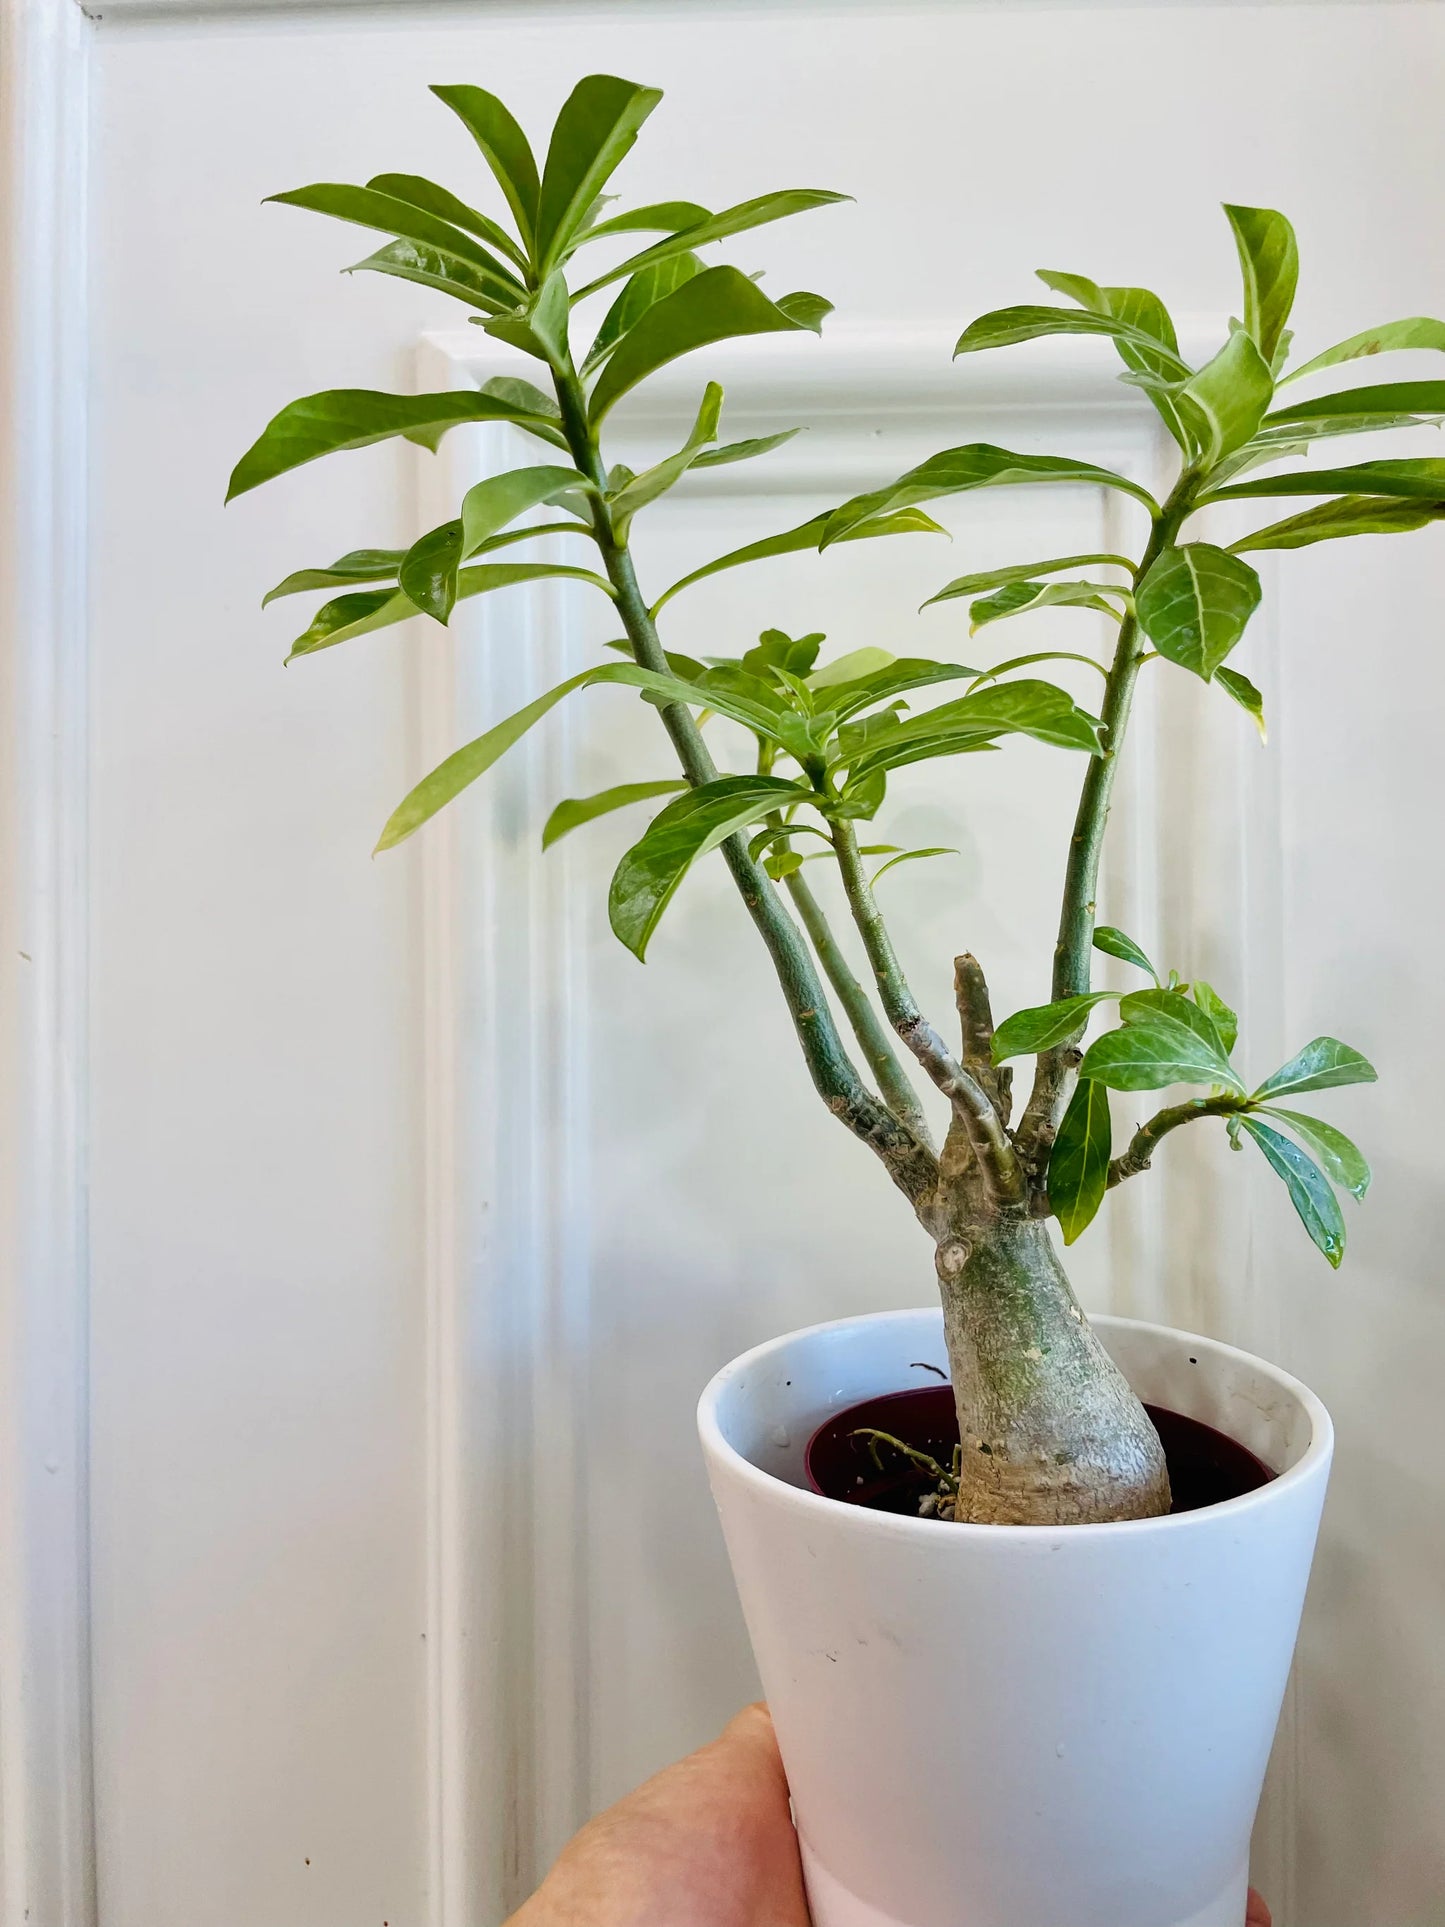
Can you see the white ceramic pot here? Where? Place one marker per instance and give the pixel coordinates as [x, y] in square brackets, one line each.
[1017, 1726]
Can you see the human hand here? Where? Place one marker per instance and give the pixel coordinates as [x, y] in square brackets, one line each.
[708, 1842]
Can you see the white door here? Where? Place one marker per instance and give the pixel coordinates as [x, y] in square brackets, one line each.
[417, 1210]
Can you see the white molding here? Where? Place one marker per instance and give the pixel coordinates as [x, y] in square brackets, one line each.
[512, 1329]
[47, 1868]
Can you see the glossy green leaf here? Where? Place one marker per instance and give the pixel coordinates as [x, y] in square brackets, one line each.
[1020, 598]
[908, 856]
[1194, 604]
[539, 326]
[367, 207]
[1172, 1006]
[350, 616]
[1308, 1187]
[1241, 690]
[717, 227]
[1346, 516]
[1039, 655]
[805, 536]
[1114, 943]
[655, 481]
[428, 572]
[854, 684]
[1156, 356]
[1006, 326]
[1079, 1161]
[1414, 399]
[1146, 1057]
[1421, 479]
[642, 292]
[489, 506]
[1269, 262]
[593, 133]
[668, 217]
[980, 583]
[743, 451]
[574, 811]
[1419, 331]
[1343, 1160]
[1028, 708]
[1224, 1020]
[361, 565]
[717, 305]
[504, 147]
[441, 202]
[1043, 1026]
[1224, 403]
[806, 310]
[413, 261]
[341, 418]
[647, 878]
[975, 465]
[777, 650]
[1322, 1064]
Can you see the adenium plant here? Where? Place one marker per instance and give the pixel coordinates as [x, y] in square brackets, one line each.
[1050, 1431]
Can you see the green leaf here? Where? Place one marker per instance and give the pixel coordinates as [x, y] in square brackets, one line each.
[1308, 1187]
[969, 585]
[907, 856]
[647, 878]
[1243, 691]
[1225, 402]
[975, 465]
[1114, 943]
[807, 310]
[1269, 262]
[1018, 598]
[1320, 1066]
[504, 148]
[366, 207]
[1079, 1161]
[655, 481]
[717, 227]
[593, 133]
[441, 202]
[1421, 479]
[743, 451]
[717, 305]
[1224, 1020]
[1156, 356]
[1194, 604]
[1044, 1026]
[361, 565]
[658, 217]
[357, 615]
[1154, 1007]
[642, 292]
[490, 505]
[1146, 1057]
[574, 811]
[539, 326]
[1347, 515]
[805, 536]
[1419, 331]
[1006, 326]
[414, 261]
[1028, 708]
[1414, 399]
[854, 682]
[429, 571]
[1343, 1160]
[1039, 655]
[341, 418]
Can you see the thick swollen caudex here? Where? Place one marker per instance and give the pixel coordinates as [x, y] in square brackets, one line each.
[1051, 1432]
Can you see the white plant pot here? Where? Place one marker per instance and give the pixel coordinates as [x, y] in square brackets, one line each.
[1017, 1726]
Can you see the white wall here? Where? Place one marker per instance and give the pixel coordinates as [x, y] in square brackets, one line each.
[270, 1738]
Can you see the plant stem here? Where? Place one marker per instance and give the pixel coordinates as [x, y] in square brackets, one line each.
[912, 1165]
[971, 1104]
[1073, 951]
[1146, 1139]
[898, 1093]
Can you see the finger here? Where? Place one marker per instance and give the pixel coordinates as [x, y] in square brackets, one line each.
[1257, 1915]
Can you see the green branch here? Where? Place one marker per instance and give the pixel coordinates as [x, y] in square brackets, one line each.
[911, 1164]
[1145, 1140]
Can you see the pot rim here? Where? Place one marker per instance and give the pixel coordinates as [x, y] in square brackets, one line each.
[816, 1505]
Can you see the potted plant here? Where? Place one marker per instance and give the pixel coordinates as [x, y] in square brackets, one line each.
[1012, 1686]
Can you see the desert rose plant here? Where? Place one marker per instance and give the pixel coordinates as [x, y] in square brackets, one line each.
[1050, 1431]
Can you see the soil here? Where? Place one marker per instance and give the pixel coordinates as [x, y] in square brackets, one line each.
[1205, 1466]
